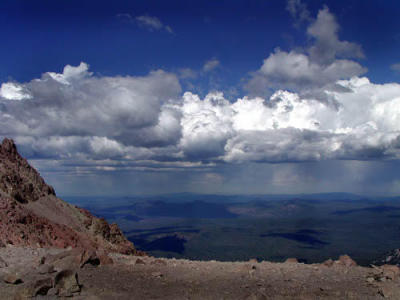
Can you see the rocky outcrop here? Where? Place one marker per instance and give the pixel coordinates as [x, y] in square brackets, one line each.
[20, 227]
[32, 215]
[17, 178]
[346, 261]
[391, 258]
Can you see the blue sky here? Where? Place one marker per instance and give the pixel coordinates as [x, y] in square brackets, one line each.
[127, 95]
[42, 36]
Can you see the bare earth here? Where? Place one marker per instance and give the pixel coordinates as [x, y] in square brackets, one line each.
[132, 277]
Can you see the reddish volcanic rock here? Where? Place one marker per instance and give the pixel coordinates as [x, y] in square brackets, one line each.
[347, 261]
[21, 227]
[31, 214]
[17, 178]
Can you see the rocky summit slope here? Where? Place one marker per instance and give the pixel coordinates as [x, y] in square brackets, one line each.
[32, 215]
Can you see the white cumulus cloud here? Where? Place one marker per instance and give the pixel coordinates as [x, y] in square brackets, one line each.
[287, 127]
[13, 91]
[323, 63]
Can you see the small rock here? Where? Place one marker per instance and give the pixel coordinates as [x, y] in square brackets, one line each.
[105, 259]
[384, 292]
[157, 274]
[52, 292]
[370, 279]
[41, 260]
[12, 278]
[347, 261]
[292, 260]
[140, 261]
[328, 262]
[381, 279]
[46, 269]
[159, 262]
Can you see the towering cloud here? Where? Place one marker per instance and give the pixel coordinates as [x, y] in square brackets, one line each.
[76, 108]
[322, 64]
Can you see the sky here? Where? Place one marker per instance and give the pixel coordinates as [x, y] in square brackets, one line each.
[234, 97]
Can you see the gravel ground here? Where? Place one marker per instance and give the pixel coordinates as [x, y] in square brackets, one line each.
[131, 277]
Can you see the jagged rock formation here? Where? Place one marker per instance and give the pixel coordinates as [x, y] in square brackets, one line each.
[17, 178]
[391, 258]
[32, 215]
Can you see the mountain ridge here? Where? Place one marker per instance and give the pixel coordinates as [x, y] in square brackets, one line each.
[32, 215]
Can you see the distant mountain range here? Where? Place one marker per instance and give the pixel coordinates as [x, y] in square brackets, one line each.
[221, 198]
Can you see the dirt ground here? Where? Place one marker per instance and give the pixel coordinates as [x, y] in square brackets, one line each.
[131, 277]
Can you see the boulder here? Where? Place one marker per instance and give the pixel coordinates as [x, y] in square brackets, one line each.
[105, 259]
[12, 278]
[89, 257]
[70, 259]
[94, 258]
[35, 288]
[390, 271]
[66, 283]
